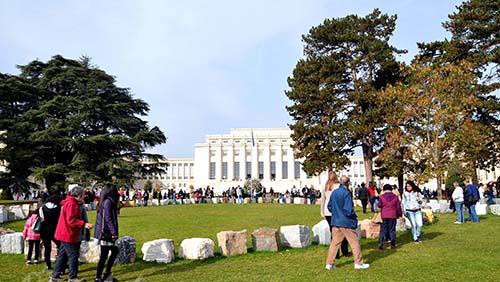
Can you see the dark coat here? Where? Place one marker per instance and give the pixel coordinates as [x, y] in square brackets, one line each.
[49, 223]
[106, 223]
[363, 193]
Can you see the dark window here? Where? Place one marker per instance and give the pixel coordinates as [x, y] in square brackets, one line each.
[284, 170]
[297, 170]
[261, 170]
[212, 170]
[236, 170]
[273, 170]
[248, 169]
[224, 170]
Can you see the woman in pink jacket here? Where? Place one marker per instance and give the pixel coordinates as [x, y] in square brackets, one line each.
[390, 210]
[32, 236]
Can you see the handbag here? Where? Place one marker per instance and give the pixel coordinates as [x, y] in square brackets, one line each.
[37, 225]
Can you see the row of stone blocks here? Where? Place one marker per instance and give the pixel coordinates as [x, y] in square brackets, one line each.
[14, 212]
[231, 243]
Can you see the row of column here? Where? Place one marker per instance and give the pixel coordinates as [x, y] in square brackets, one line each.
[266, 159]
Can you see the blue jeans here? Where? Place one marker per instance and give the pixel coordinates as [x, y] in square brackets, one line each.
[459, 209]
[472, 213]
[67, 254]
[415, 218]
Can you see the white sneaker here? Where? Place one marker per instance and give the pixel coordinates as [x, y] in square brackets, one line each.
[329, 266]
[458, 222]
[361, 266]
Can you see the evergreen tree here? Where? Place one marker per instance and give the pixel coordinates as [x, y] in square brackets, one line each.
[334, 90]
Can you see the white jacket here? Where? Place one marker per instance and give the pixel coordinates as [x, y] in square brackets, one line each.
[458, 194]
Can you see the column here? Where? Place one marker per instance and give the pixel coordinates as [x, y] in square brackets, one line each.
[267, 162]
[291, 164]
[255, 162]
[279, 163]
[218, 163]
[243, 162]
[230, 163]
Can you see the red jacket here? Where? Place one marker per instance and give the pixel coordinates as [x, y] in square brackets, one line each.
[70, 222]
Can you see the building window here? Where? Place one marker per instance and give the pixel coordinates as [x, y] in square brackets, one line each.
[273, 170]
[212, 170]
[297, 170]
[261, 170]
[284, 170]
[248, 169]
[224, 170]
[236, 170]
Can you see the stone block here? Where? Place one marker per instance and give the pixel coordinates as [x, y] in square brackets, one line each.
[165, 202]
[295, 236]
[495, 209]
[265, 239]
[481, 209]
[298, 201]
[232, 243]
[369, 229]
[26, 209]
[215, 200]
[161, 250]
[89, 251]
[154, 203]
[192, 201]
[12, 243]
[444, 208]
[247, 201]
[322, 233]
[16, 212]
[126, 248]
[4, 214]
[260, 200]
[196, 248]
[401, 224]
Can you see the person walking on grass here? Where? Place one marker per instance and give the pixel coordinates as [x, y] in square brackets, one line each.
[106, 231]
[363, 196]
[49, 214]
[458, 197]
[332, 184]
[412, 204]
[344, 222]
[32, 235]
[68, 230]
[372, 194]
[390, 211]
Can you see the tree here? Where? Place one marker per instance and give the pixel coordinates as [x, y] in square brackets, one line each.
[84, 127]
[334, 90]
[475, 39]
[431, 109]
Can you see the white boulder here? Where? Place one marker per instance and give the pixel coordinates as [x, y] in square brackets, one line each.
[495, 209]
[322, 233]
[12, 243]
[295, 236]
[196, 248]
[90, 251]
[481, 209]
[161, 250]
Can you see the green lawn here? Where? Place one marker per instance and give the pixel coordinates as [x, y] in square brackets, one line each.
[449, 252]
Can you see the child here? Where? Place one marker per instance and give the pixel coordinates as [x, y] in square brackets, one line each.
[33, 237]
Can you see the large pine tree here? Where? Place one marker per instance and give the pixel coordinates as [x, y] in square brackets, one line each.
[334, 90]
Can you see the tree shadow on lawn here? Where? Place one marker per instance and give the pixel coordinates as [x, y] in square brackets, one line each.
[178, 265]
[375, 254]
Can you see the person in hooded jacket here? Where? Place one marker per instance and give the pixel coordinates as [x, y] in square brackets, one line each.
[390, 211]
[106, 231]
[49, 214]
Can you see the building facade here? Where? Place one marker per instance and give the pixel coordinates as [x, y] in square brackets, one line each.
[179, 174]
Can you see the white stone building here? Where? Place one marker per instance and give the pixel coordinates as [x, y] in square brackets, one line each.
[179, 173]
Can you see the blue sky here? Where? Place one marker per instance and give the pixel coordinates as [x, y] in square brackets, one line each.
[203, 66]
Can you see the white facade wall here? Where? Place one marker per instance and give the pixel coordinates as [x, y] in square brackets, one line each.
[179, 173]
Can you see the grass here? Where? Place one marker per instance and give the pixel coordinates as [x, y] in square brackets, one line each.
[449, 252]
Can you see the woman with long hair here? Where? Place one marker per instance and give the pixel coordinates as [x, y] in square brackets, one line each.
[331, 184]
[412, 204]
[106, 230]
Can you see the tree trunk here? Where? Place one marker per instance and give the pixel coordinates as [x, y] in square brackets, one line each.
[368, 161]
[439, 191]
[401, 182]
[475, 178]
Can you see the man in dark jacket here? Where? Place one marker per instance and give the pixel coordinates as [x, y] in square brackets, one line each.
[344, 222]
[471, 197]
[68, 231]
[363, 196]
